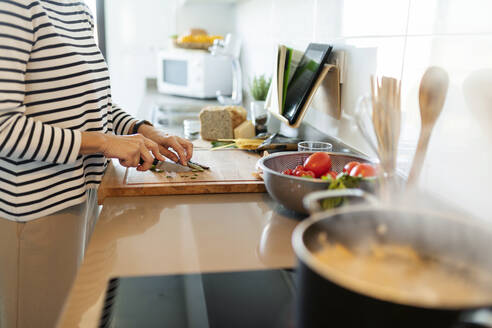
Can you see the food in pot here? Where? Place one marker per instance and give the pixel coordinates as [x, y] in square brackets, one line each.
[400, 271]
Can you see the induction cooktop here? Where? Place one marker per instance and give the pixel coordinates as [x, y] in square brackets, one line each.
[209, 300]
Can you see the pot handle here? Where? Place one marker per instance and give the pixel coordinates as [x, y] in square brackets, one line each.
[312, 200]
[480, 318]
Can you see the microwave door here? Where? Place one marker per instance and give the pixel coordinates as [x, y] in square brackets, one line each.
[175, 72]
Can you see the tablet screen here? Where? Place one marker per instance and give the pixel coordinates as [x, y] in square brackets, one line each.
[304, 78]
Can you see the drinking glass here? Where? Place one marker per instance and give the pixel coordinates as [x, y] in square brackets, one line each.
[314, 146]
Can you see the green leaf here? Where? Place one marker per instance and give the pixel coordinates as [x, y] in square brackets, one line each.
[343, 181]
[222, 143]
[259, 87]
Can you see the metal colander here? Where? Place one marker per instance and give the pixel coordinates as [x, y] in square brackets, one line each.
[290, 190]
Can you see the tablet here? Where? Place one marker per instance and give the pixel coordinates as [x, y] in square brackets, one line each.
[305, 76]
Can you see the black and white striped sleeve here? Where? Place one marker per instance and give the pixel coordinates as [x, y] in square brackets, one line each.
[22, 137]
[122, 121]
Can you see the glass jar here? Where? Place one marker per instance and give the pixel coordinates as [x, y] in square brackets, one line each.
[259, 116]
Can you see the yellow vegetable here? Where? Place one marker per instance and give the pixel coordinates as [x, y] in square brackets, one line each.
[248, 143]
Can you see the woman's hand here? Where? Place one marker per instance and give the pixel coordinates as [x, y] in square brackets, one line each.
[169, 145]
[129, 150]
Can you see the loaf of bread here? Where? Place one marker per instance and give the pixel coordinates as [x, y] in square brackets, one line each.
[219, 122]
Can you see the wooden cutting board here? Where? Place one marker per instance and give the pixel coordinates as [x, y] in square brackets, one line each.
[231, 171]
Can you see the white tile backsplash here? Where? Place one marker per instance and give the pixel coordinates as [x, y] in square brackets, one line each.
[215, 18]
[371, 18]
[450, 17]
[399, 39]
[293, 22]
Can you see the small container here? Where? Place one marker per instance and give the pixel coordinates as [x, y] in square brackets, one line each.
[259, 116]
[314, 146]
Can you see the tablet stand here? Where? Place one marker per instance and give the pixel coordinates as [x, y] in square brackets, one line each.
[327, 98]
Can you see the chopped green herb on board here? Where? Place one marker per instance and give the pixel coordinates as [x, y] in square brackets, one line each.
[216, 144]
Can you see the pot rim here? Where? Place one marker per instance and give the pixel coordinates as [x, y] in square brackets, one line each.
[364, 287]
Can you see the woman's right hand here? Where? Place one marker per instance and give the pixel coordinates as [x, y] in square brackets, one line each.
[128, 149]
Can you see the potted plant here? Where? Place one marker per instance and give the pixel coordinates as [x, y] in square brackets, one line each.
[259, 90]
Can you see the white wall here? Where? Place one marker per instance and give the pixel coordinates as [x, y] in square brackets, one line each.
[216, 18]
[399, 39]
[136, 30]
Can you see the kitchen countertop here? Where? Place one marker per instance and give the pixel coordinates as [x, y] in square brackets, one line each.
[178, 234]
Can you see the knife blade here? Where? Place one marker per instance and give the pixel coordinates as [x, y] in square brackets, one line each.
[170, 166]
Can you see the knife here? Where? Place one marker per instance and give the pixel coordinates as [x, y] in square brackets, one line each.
[170, 166]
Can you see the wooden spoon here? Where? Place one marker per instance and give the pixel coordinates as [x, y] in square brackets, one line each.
[432, 93]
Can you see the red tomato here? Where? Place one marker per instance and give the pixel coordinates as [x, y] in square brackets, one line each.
[364, 170]
[299, 168]
[288, 172]
[319, 163]
[349, 166]
[298, 173]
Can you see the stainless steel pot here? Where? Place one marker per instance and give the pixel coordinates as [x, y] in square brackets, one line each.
[331, 298]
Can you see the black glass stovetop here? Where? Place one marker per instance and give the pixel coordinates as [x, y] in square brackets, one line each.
[210, 300]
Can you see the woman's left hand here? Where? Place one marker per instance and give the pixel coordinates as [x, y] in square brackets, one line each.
[169, 145]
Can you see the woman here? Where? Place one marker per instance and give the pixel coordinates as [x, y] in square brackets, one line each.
[58, 127]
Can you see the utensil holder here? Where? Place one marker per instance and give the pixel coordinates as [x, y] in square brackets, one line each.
[326, 94]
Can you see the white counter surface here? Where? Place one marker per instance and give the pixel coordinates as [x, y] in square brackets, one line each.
[178, 234]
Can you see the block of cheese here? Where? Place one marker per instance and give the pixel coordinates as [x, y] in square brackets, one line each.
[219, 122]
[245, 130]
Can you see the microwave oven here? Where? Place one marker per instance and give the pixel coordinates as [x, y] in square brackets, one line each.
[193, 73]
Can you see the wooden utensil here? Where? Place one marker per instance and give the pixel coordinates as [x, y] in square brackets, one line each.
[386, 120]
[432, 93]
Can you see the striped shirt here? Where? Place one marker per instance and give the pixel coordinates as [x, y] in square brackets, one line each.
[54, 83]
